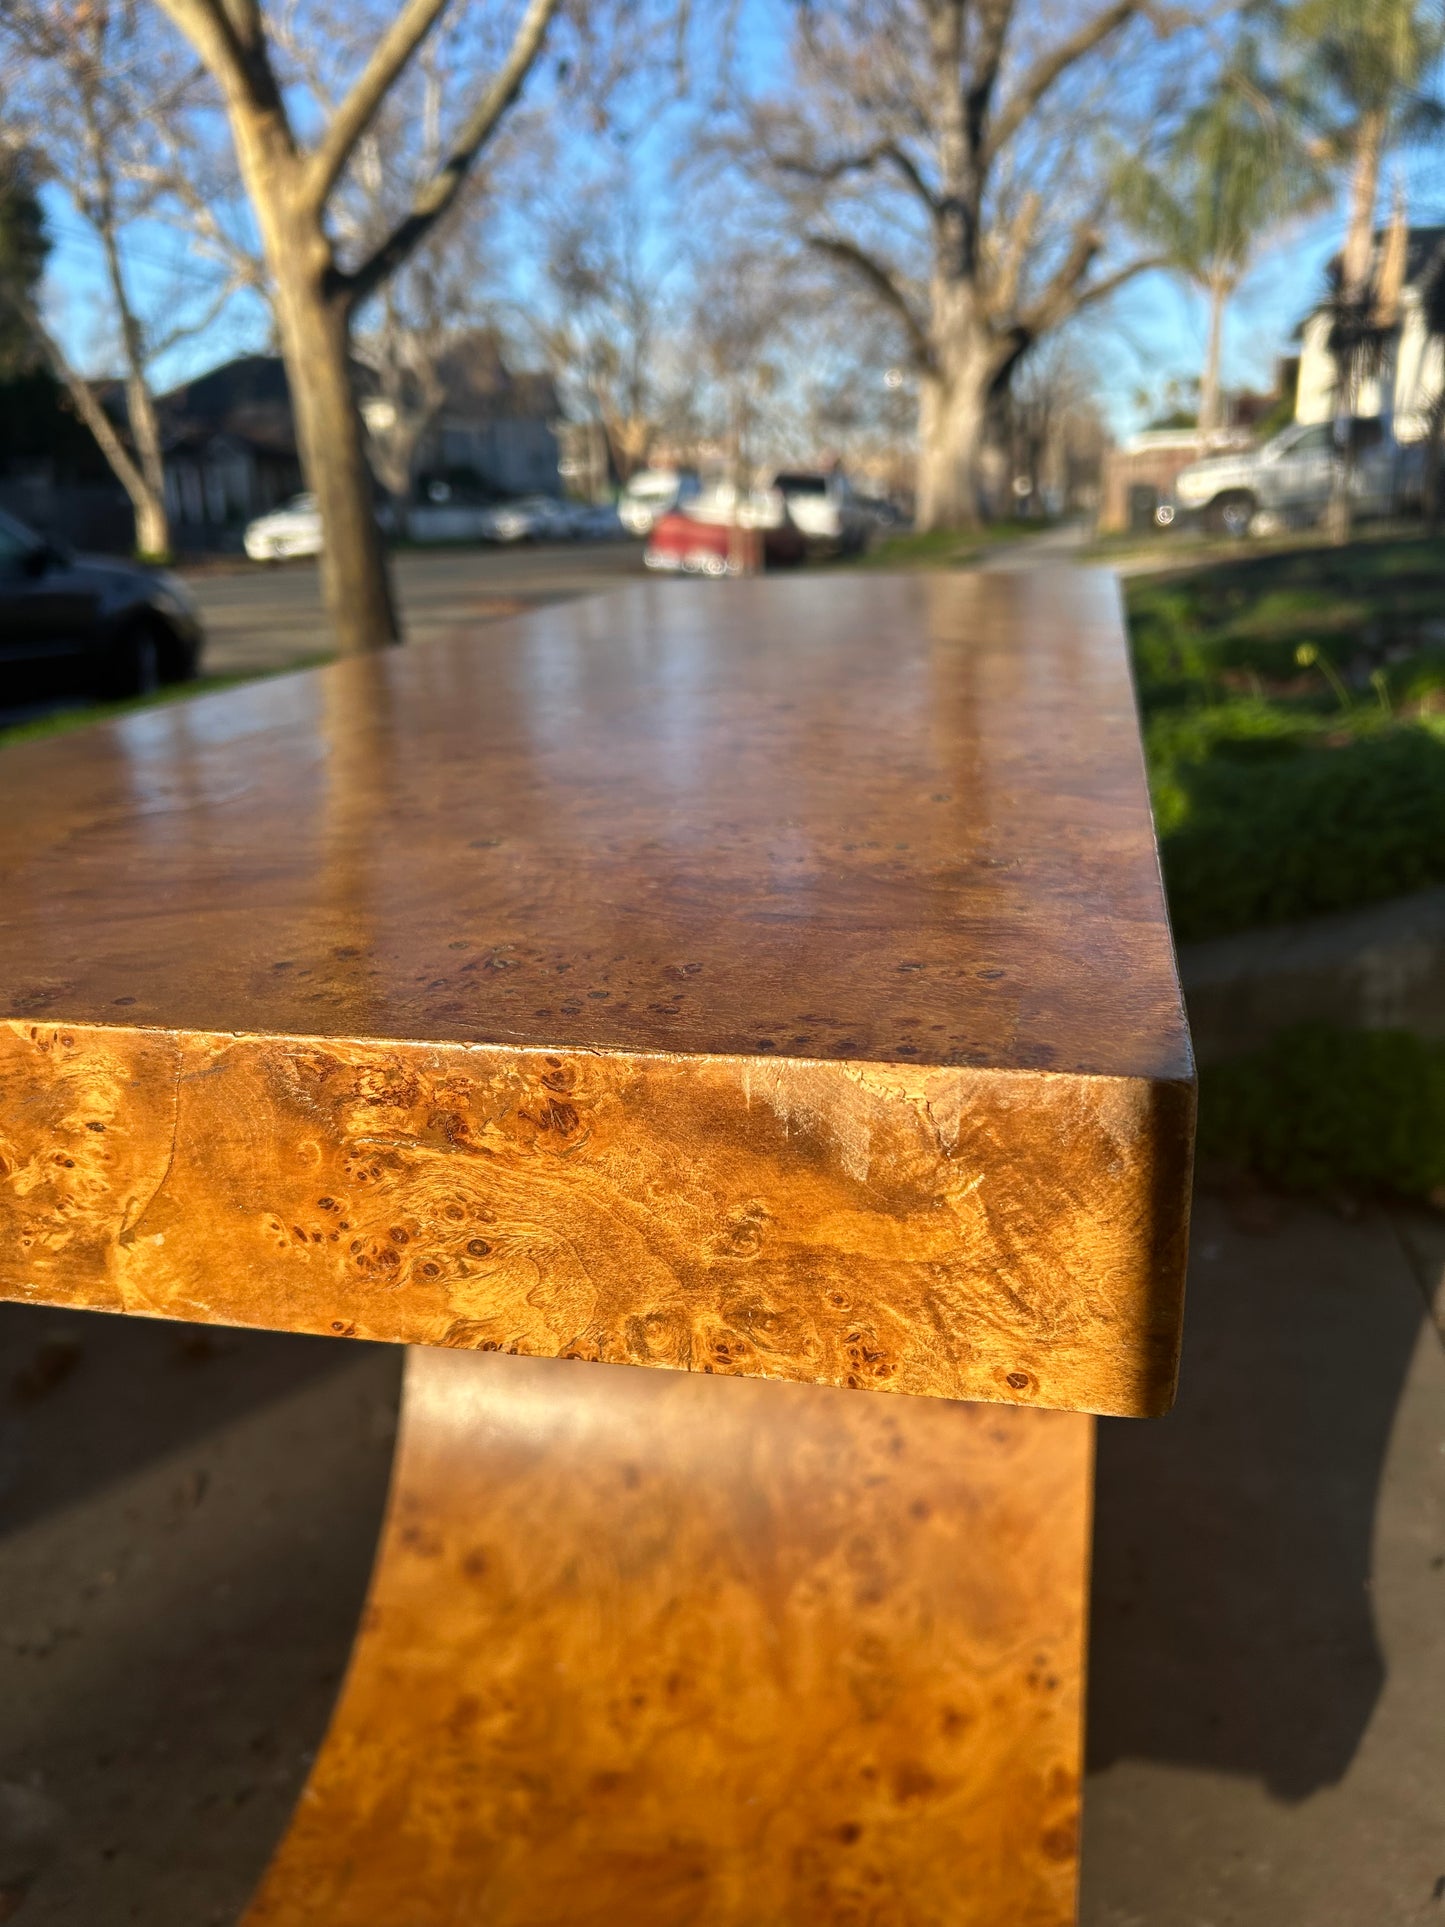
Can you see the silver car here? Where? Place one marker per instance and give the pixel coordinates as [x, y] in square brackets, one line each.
[1289, 480]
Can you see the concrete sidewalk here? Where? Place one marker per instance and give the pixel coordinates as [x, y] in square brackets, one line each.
[186, 1518]
[1267, 1740]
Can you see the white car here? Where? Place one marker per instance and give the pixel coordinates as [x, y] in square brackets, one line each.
[292, 529]
[1291, 479]
[653, 493]
[295, 529]
[825, 508]
[535, 518]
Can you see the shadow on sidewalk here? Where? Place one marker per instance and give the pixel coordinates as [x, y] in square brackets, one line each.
[1232, 1624]
[86, 1399]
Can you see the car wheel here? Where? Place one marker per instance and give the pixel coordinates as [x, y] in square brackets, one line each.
[136, 664]
[1232, 515]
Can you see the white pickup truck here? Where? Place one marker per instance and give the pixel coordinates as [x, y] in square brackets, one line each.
[1289, 480]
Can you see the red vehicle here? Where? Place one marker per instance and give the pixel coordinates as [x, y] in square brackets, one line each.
[717, 536]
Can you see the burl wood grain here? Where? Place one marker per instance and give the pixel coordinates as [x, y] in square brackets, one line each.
[680, 1653]
[965, 1234]
[769, 978]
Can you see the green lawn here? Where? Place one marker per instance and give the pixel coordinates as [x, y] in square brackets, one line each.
[942, 548]
[57, 722]
[1294, 726]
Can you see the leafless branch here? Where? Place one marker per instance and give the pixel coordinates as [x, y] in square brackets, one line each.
[442, 189]
[884, 283]
[1050, 68]
[357, 111]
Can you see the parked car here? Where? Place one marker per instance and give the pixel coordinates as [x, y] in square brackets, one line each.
[824, 507]
[92, 624]
[1289, 480]
[599, 523]
[654, 492]
[533, 518]
[714, 533]
[294, 529]
[447, 521]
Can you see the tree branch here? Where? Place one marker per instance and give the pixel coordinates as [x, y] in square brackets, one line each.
[107, 436]
[1111, 283]
[442, 190]
[1065, 296]
[883, 283]
[1054, 65]
[209, 29]
[356, 113]
[824, 173]
[1059, 299]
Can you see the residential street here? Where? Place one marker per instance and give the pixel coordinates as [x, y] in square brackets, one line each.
[269, 617]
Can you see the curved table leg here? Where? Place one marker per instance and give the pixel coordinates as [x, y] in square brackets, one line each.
[679, 1651]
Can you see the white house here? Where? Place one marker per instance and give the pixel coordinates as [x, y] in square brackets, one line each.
[1413, 371]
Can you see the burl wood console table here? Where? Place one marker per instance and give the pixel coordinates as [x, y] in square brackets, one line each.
[767, 983]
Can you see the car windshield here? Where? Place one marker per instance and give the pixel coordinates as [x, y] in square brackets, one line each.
[803, 484]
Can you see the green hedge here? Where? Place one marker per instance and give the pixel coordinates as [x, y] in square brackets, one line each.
[1264, 817]
[1320, 1108]
[1291, 775]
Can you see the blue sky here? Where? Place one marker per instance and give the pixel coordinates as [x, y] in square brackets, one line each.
[1152, 332]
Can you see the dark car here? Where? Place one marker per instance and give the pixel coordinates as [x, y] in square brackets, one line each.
[72, 624]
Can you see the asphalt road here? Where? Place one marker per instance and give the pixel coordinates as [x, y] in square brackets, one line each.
[261, 616]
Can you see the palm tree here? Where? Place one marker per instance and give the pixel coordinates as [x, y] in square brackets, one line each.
[1368, 67]
[1238, 166]
[1432, 317]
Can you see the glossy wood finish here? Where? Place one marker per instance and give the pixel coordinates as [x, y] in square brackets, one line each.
[764, 978]
[682, 1653]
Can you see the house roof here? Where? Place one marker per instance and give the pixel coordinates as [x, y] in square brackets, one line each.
[481, 387]
[248, 399]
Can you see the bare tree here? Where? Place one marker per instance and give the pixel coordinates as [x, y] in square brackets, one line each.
[603, 313]
[1050, 426]
[940, 152]
[93, 92]
[292, 171]
[737, 328]
[424, 316]
[429, 307]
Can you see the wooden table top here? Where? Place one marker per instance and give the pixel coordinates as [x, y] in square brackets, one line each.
[866, 855]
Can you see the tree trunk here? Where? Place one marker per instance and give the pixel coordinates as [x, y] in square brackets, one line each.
[152, 521]
[1359, 250]
[1356, 266]
[315, 332]
[1430, 501]
[152, 531]
[952, 420]
[1209, 382]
